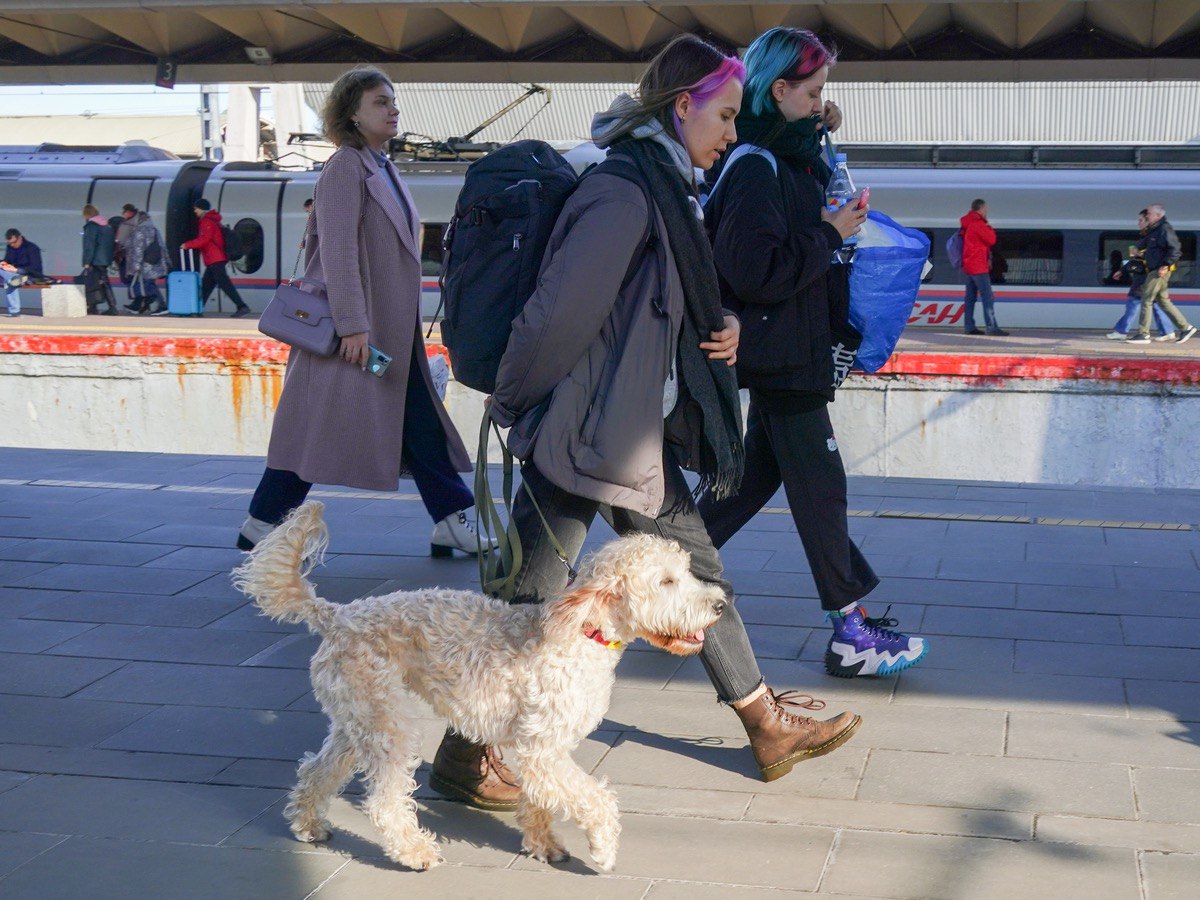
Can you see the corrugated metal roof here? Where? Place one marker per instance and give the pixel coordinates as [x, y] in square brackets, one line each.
[911, 112]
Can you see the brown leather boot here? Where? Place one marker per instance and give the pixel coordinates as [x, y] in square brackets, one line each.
[474, 774]
[780, 739]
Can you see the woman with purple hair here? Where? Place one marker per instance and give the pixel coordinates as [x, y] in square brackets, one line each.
[618, 375]
[773, 243]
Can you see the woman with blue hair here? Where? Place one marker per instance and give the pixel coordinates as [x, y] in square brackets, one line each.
[774, 243]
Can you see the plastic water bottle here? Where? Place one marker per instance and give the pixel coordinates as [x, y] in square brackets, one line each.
[838, 193]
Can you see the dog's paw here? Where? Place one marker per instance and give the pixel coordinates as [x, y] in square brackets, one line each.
[547, 850]
[421, 858]
[605, 857]
[311, 833]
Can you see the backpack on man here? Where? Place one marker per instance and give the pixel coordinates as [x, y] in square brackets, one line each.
[954, 249]
[233, 243]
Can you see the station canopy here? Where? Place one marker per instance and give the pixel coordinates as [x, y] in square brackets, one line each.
[118, 41]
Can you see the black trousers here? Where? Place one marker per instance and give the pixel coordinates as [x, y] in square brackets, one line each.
[217, 275]
[424, 455]
[97, 290]
[798, 450]
[727, 655]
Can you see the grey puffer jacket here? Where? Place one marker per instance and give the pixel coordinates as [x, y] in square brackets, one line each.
[143, 235]
[581, 381]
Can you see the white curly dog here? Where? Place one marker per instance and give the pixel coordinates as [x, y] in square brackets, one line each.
[534, 680]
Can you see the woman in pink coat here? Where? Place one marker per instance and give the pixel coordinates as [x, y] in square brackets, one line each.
[337, 423]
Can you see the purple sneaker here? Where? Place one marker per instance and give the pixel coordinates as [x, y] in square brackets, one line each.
[863, 646]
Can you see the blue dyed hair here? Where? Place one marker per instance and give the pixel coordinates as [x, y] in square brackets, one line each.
[793, 54]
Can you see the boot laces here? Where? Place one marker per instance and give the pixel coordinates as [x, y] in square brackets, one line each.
[493, 759]
[879, 625]
[794, 699]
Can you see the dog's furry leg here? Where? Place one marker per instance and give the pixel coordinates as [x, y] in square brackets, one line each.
[321, 778]
[554, 781]
[390, 757]
[537, 829]
[274, 573]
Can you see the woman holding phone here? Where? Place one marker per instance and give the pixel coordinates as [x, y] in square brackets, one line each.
[341, 420]
[773, 242]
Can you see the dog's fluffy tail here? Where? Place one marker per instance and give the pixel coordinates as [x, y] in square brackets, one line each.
[274, 574]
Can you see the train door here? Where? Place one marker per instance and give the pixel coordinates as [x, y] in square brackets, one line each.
[251, 207]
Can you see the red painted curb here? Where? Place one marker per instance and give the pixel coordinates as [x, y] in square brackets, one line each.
[240, 351]
[1165, 371]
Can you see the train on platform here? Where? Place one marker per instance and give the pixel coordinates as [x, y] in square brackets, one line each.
[1065, 216]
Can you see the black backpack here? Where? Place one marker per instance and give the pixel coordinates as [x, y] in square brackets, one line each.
[493, 249]
[233, 243]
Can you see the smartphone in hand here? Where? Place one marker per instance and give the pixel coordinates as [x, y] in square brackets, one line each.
[864, 198]
[377, 361]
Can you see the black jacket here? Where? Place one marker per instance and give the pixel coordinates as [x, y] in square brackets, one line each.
[1160, 245]
[773, 253]
[27, 258]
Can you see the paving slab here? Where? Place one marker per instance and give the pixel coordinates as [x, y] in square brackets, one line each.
[135, 810]
[108, 869]
[1168, 795]
[1171, 876]
[1102, 739]
[149, 642]
[992, 782]
[933, 867]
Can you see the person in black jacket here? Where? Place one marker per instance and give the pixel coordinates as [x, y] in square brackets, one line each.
[773, 242]
[1161, 250]
[22, 261]
[99, 245]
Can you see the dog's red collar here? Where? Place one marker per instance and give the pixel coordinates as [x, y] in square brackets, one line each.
[597, 636]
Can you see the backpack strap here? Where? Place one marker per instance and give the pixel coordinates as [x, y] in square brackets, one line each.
[738, 152]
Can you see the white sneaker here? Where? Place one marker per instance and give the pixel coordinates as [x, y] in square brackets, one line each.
[1115, 336]
[1163, 338]
[253, 530]
[456, 532]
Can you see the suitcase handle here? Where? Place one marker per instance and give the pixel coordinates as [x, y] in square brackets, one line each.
[183, 261]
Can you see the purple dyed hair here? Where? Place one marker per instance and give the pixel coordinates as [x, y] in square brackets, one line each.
[711, 85]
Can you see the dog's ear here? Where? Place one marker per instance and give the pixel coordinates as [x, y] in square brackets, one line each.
[585, 604]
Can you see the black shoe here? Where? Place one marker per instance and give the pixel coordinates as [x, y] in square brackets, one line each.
[1186, 335]
[973, 331]
[998, 332]
[240, 311]
[133, 307]
[111, 311]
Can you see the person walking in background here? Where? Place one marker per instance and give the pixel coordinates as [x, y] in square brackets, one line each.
[773, 242]
[978, 240]
[145, 262]
[22, 261]
[211, 244]
[99, 244]
[336, 423]
[1133, 271]
[1160, 249]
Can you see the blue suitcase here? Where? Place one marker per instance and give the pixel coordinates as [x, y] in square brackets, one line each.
[183, 290]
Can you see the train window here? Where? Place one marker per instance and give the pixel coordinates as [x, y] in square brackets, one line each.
[251, 234]
[1027, 257]
[1113, 253]
[1114, 250]
[431, 248]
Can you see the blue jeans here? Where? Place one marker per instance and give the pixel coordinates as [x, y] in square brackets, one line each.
[13, 296]
[980, 285]
[424, 455]
[1133, 307]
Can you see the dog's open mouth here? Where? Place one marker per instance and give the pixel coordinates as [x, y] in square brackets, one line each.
[682, 645]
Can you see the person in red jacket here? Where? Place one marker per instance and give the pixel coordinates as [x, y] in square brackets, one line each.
[978, 239]
[211, 244]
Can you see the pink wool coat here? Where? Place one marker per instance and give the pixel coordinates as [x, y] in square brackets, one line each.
[335, 423]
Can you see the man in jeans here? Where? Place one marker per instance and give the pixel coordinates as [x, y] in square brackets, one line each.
[1160, 248]
[978, 239]
[22, 261]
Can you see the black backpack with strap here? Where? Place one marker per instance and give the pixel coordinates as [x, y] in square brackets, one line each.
[233, 243]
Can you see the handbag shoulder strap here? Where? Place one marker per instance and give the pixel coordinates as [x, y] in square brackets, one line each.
[738, 152]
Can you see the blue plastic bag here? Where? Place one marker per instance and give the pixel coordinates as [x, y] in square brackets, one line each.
[884, 281]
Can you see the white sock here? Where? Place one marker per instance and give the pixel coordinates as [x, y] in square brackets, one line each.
[846, 610]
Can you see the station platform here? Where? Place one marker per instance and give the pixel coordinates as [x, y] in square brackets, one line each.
[150, 720]
[1025, 353]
